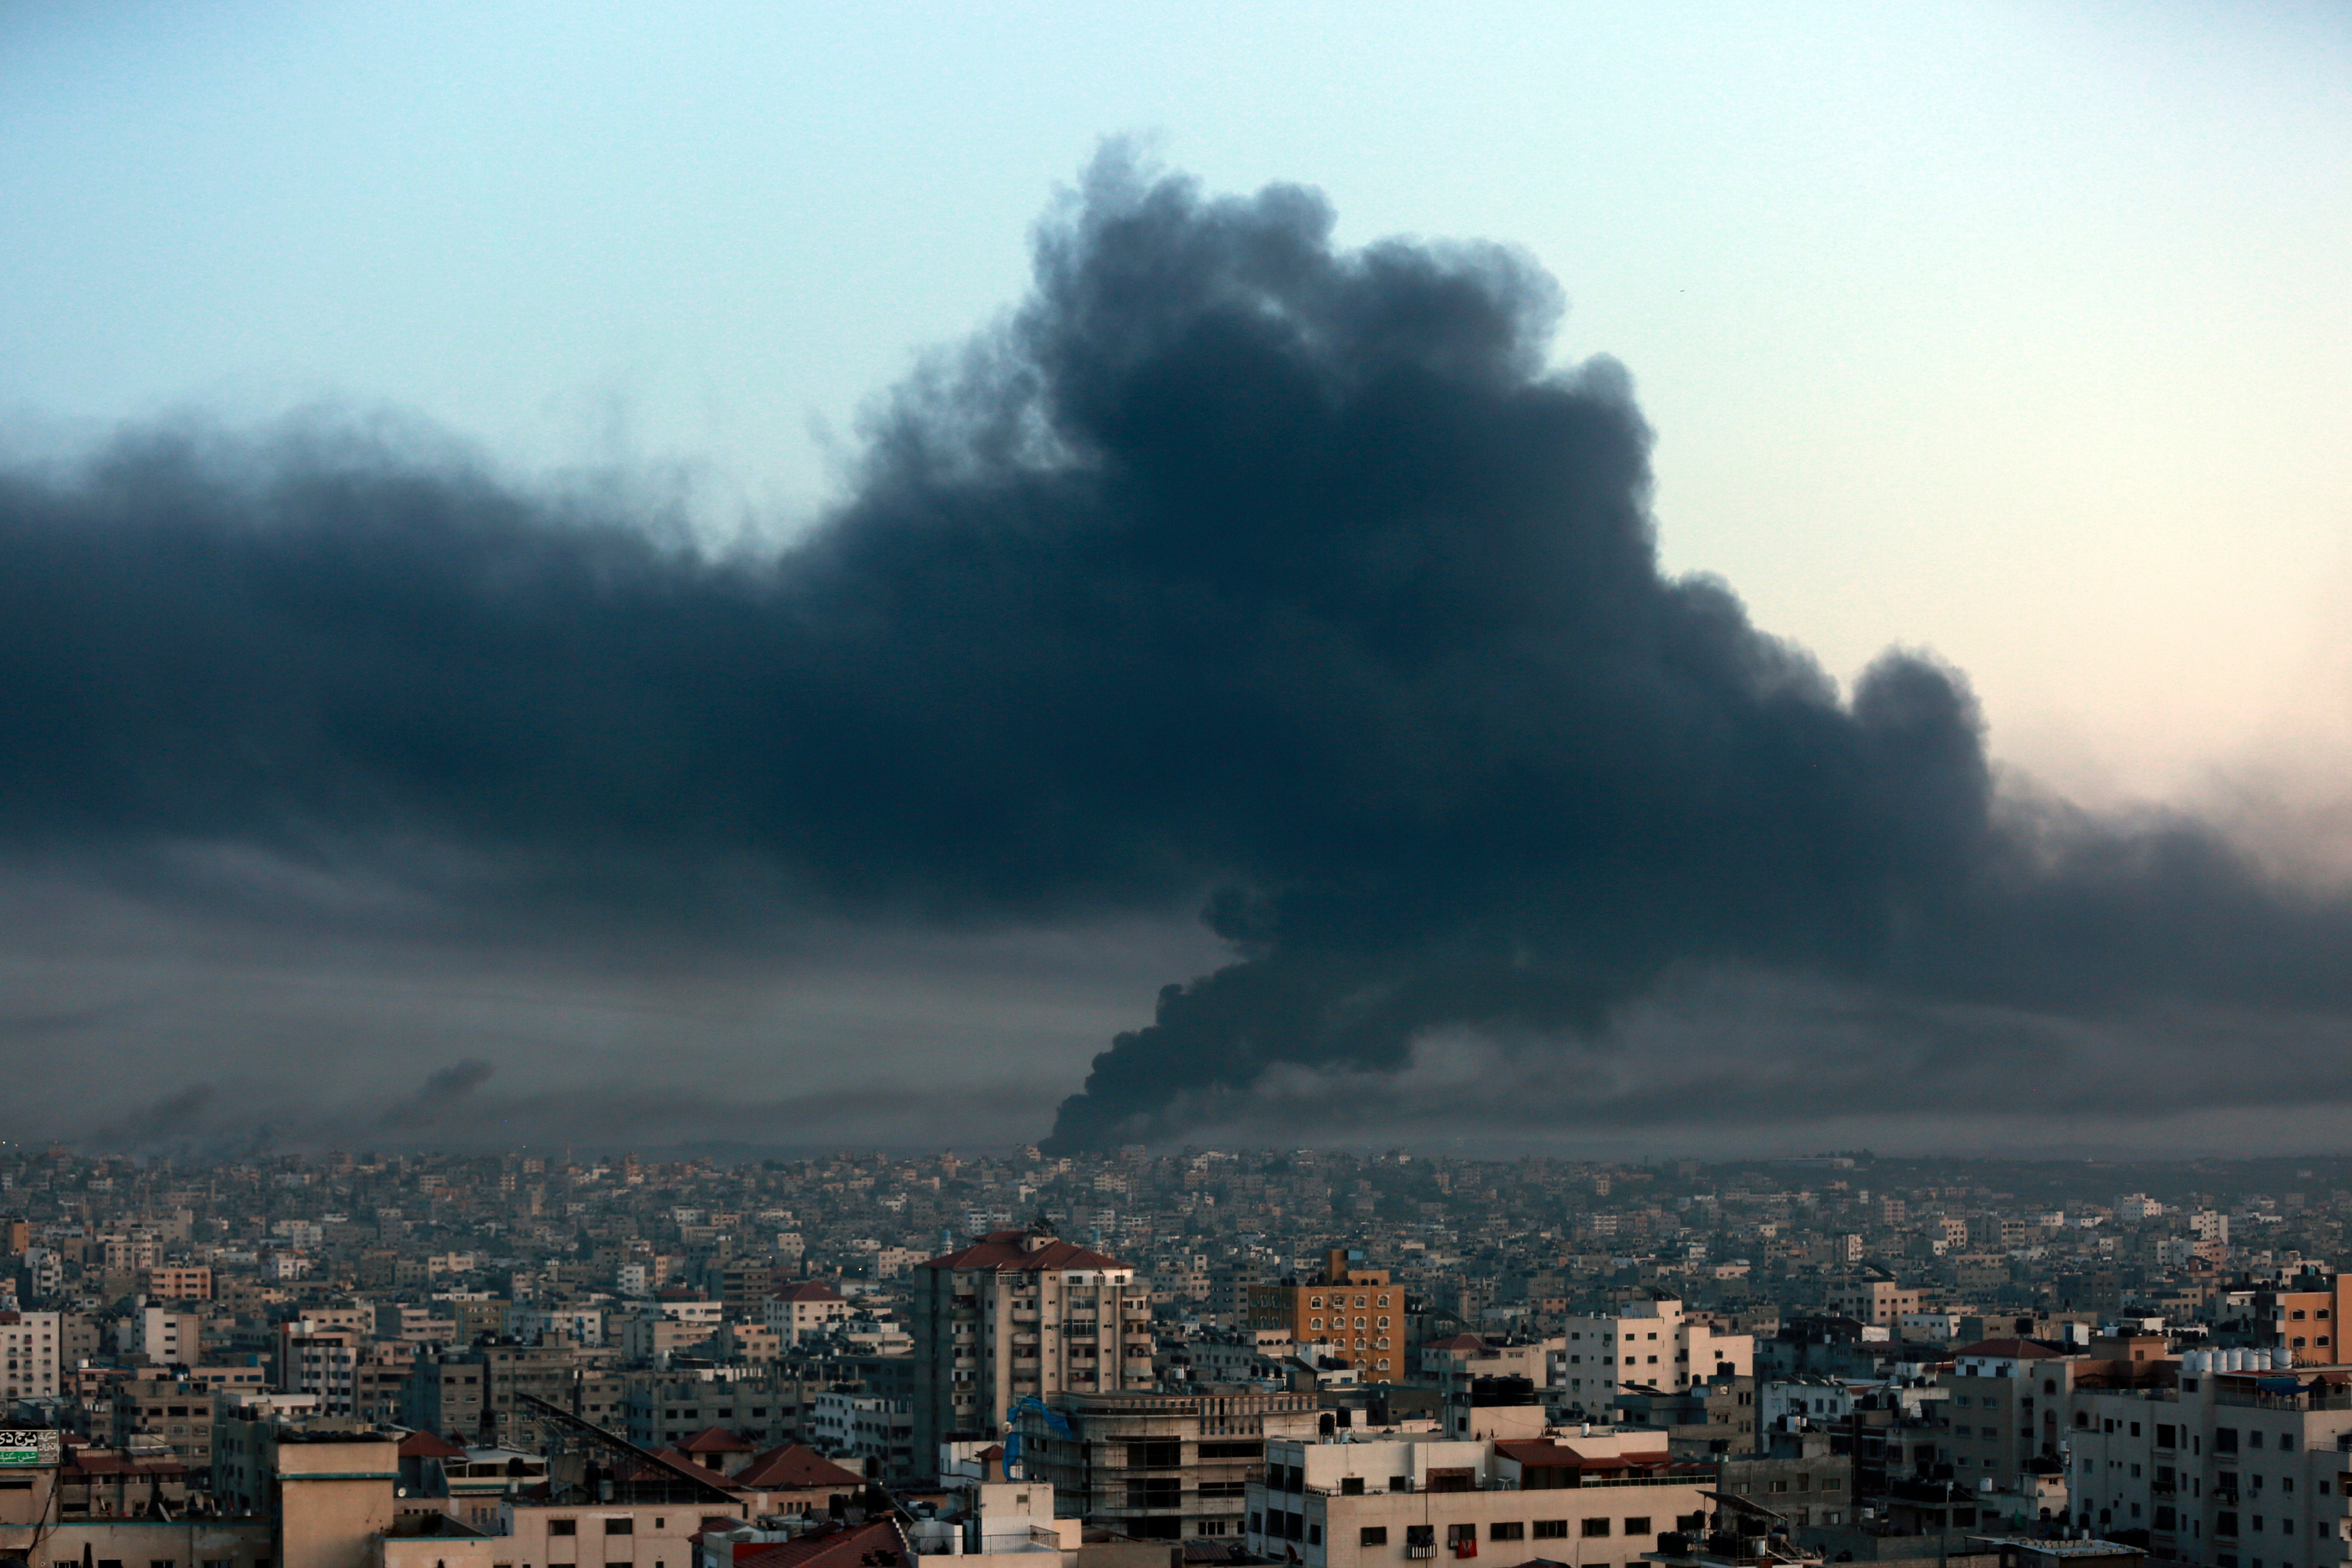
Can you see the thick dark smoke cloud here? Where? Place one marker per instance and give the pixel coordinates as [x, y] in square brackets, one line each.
[1234, 567]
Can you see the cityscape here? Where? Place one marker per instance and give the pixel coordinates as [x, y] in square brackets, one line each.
[1533, 784]
[1305, 1356]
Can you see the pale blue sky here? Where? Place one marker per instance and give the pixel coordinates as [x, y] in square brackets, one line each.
[2021, 331]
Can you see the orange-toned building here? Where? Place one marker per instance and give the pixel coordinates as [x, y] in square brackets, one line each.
[2310, 1322]
[176, 1283]
[1351, 1308]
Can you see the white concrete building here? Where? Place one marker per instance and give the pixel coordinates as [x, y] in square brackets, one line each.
[1382, 1500]
[1647, 1342]
[803, 1312]
[29, 1355]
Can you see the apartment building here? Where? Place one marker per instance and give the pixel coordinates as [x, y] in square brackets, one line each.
[177, 1412]
[2226, 1468]
[1651, 1343]
[2006, 1411]
[416, 1325]
[161, 1336]
[872, 1428]
[1229, 1290]
[804, 1311]
[2303, 1317]
[1878, 1301]
[1157, 1467]
[31, 1354]
[471, 1395]
[1348, 1305]
[178, 1282]
[324, 1362]
[1601, 1501]
[655, 1338]
[663, 1411]
[1022, 1314]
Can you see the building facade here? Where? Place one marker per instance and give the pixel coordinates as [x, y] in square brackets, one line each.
[1021, 1315]
[1157, 1467]
[1598, 1501]
[1349, 1306]
[1649, 1344]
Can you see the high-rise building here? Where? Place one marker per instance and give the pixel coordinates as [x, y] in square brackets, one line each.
[1020, 1314]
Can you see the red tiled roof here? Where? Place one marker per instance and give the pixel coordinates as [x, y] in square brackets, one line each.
[809, 1290]
[2008, 1350]
[716, 1440]
[1009, 1249]
[427, 1446]
[790, 1467]
[876, 1545]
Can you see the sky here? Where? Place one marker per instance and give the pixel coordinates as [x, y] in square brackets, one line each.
[2016, 335]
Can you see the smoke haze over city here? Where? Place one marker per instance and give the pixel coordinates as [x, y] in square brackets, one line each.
[1249, 688]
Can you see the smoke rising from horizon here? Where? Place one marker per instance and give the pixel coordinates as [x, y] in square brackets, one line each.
[1233, 567]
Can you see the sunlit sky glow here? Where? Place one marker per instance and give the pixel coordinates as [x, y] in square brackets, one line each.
[2021, 334]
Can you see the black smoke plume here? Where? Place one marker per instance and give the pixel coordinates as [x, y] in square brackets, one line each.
[441, 1093]
[1233, 567]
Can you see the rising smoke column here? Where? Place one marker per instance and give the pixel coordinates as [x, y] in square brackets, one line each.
[1233, 568]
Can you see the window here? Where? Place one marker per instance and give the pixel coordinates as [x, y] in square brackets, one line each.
[2225, 1441]
[1506, 1530]
[1372, 1535]
[1594, 1527]
[620, 1527]
[562, 1527]
[1352, 1486]
[1637, 1524]
[1551, 1530]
